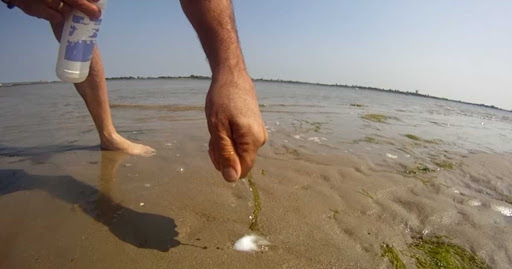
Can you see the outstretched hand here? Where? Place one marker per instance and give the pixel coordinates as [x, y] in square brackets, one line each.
[236, 128]
[55, 11]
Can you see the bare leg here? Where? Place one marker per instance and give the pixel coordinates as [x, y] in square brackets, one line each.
[94, 92]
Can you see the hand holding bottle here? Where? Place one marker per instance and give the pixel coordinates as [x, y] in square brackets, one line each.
[77, 44]
[56, 11]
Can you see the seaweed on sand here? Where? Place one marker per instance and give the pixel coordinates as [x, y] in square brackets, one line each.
[367, 139]
[257, 204]
[335, 213]
[357, 105]
[436, 252]
[420, 172]
[366, 193]
[413, 137]
[377, 117]
[419, 169]
[419, 139]
[444, 164]
[389, 252]
[315, 126]
[507, 199]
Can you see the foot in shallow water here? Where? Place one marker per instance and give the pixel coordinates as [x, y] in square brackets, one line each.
[119, 143]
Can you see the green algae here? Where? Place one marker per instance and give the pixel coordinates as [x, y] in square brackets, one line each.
[419, 169]
[444, 164]
[377, 117]
[436, 252]
[316, 126]
[373, 140]
[366, 193]
[307, 126]
[390, 252]
[507, 199]
[335, 213]
[257, 204]
[367, 139]
[357, 105]
[419, 139]
[413, 137]
[420, 172]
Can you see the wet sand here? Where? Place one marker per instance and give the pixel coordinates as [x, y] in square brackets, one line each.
[333, 187]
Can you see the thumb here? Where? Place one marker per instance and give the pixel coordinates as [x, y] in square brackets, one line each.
[226, 157]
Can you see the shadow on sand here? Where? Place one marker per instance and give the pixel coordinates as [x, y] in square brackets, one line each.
[41, 154]
[142, 230]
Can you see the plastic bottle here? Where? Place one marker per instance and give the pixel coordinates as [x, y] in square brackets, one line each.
[76, 45]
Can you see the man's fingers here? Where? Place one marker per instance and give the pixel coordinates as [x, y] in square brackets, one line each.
[226, 157]
[212, 156]
[247, 146]
[88, 8]
[247, 156]
[264, 130]
[51, 15]
[57, 29]
[65, 9]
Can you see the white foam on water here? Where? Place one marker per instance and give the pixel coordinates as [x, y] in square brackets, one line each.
[314, 139]
[505, 210]
[474, 202]
[391, 156]
[250, 243]
[298, 137]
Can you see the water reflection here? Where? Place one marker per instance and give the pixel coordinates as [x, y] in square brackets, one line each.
[142, 230]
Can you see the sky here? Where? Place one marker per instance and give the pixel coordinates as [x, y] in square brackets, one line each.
[460, 50]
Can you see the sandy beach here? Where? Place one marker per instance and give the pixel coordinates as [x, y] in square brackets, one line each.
[347, 177]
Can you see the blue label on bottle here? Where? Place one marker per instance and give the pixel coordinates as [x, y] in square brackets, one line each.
[81, 38]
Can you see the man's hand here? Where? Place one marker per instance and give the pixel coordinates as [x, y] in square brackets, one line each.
[234, 119]
[236, 128]
[55, 11]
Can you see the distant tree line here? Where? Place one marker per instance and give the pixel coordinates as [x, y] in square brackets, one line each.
[357, 87]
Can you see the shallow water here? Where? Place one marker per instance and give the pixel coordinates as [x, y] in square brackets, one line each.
[333, 186]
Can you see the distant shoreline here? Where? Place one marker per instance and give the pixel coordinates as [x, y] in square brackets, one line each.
[357, 87]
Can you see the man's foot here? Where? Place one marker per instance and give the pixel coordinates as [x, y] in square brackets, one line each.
[119, 143]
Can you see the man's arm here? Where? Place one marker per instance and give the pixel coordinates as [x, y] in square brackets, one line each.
[214, 23]
[234, 120]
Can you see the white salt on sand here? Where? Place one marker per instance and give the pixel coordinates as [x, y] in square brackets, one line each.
[249, 243]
